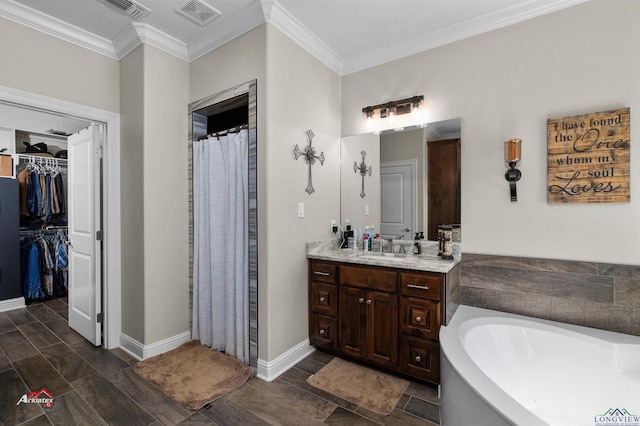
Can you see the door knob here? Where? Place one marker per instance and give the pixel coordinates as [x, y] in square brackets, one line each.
[368, 301]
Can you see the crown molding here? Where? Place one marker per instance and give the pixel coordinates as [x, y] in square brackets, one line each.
[149, 35]
[459, 31]
[271, 11]
[52, 26]
[288, 24]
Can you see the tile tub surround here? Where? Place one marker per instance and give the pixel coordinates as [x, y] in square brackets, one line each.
[598, 295]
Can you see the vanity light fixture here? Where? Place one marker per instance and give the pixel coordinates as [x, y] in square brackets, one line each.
[390, 110]
[512, 151]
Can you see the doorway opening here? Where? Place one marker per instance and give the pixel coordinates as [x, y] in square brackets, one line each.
[19, 109]
[214, 114]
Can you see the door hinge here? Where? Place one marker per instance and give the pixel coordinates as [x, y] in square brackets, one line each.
[99, 235]
[99, 152]
[100, 317]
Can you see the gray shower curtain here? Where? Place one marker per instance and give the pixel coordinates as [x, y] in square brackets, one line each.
[221, 243]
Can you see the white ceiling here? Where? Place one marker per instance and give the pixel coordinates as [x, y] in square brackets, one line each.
[347, 35]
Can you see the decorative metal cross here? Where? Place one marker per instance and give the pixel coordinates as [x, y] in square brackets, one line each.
[310, 158]
[363, 171]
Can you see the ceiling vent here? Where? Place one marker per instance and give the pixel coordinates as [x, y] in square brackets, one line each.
[131, 8]
[198, 11]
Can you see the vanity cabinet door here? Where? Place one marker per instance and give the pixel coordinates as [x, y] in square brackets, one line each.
[420, 317]
[420, 358]
[382, 335]
[352, 321]
[324, 298]
[324, 331]
[368, 325]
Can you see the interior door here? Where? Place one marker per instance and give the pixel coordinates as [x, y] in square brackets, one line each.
[397, 194]
[85, 292]
[443, 185]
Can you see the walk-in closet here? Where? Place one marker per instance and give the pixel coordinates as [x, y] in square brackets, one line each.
[50, 213]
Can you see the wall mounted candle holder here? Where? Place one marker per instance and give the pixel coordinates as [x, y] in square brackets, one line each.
[512, 157]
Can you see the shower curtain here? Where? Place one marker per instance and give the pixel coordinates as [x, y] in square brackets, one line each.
[221, 243]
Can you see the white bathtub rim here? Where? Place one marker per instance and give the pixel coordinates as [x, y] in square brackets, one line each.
[452, 347]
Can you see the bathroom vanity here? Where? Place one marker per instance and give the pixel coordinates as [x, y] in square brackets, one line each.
[380, 308]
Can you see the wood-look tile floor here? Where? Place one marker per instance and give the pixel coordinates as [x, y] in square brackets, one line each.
[95, 386]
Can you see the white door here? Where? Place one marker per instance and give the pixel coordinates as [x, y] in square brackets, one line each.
[85, 290]
[397, 199]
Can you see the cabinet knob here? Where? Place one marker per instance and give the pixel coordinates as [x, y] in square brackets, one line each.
[418, 358]
[360, 300]
[322, 332]
[418, 319]
[368, 301]
[322, 299]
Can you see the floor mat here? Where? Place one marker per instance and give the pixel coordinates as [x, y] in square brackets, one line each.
[194, 375]
[371, 389]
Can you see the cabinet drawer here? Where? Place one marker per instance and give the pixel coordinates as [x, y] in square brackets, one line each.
[323, 271]
[323, 331]
[420, 358]
[420, 317]
[324, 298]
[369, 278]
[425, 285]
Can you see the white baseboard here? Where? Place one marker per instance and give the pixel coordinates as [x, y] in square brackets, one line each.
[271, 370]
[142, 352]
[11, 304]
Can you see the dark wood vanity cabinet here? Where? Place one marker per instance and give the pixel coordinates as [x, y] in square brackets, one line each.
[383, 316]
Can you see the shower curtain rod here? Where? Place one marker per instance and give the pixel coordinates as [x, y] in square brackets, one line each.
[224, 132]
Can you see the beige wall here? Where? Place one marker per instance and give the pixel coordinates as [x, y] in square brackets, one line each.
[132, 193]
[166, 219]
[155, 251]
[38, 63]
[302, 94]
[505, 84]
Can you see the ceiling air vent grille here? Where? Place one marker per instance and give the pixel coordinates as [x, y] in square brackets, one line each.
[197, 11]
[131, 8]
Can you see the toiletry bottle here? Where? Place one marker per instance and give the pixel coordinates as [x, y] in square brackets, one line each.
[417, 248]
[365, 242]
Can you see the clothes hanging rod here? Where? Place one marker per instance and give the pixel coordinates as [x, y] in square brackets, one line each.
[44, 230]
[39, 158]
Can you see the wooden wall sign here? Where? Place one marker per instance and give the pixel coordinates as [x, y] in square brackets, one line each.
[588, 158]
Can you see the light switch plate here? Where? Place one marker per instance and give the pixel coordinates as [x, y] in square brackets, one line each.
[300, 210]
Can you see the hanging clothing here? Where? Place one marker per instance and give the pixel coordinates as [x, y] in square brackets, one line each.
[44, 266]
[42, 195]
[221, 243]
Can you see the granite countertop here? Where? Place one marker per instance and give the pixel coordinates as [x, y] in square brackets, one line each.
[427, 261]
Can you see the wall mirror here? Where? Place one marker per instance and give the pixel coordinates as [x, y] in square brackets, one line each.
[414, 183]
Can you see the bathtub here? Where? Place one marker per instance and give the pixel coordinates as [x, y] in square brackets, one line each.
[504, 369]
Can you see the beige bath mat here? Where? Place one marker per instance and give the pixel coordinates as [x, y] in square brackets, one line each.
[194, 375]
[371, 389]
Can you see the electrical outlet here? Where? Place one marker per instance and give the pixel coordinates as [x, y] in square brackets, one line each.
[300, 210]
[334, 226]
[366, 209]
